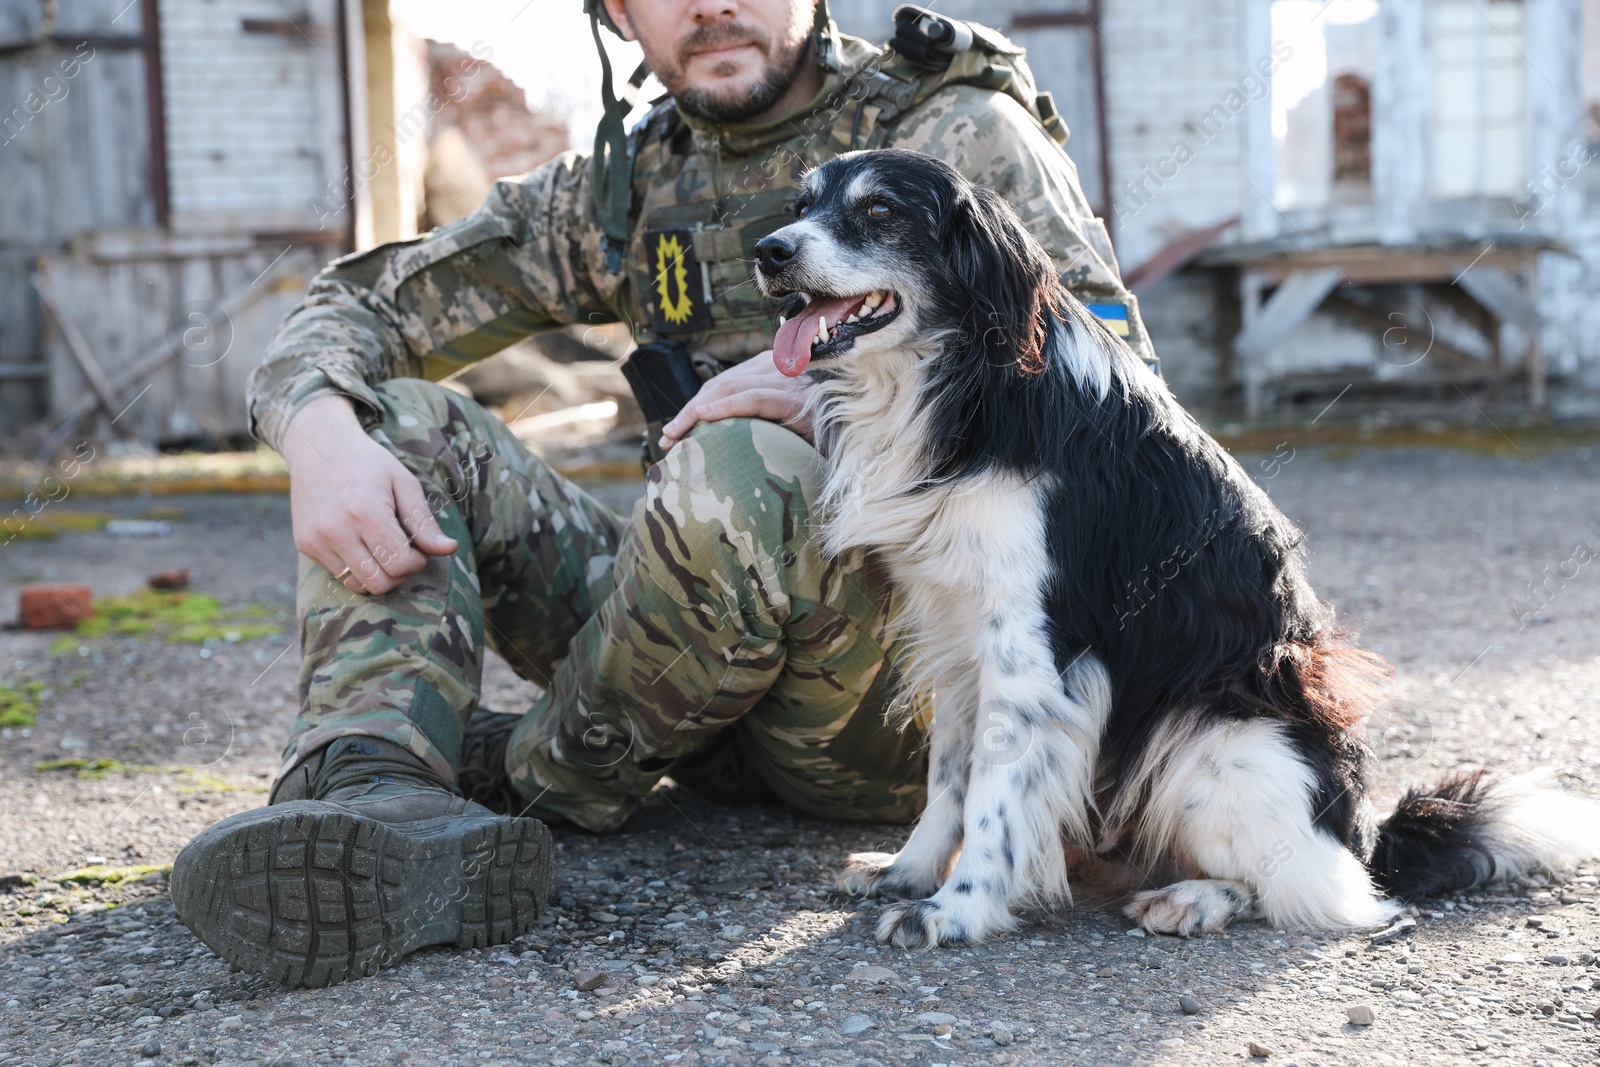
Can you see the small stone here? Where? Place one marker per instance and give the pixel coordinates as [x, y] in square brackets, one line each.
[1535, 921]
[1400, 929]
[1001, 1033]
[588, 981]
[943, 1030]
[1137, 931]
[1189, 1005]
[855, 1024]
[1257, 1050]
[232, 1022]
[604, 916]
[583, 1016]
[1106, 972]
[1171, 1042]
[1556, 959]
[936, 1018]
[150, 1048]
[866, 972]
[1361, 1015]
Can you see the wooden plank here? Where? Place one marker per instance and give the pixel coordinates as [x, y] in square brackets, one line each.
[79, 346]
[1290, 305]
[21, 23]
[1374, 264]
[155, 359]
[1380, 323]
[1249, 312]
[1494, 289]
[1175, 255]
[101, 17]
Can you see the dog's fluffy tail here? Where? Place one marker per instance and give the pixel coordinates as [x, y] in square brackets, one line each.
[1471, 829]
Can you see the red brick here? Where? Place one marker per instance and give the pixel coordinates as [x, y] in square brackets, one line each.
[55, 607]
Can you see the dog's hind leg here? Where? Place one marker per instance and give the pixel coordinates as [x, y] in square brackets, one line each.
[1033, 754]
[919, 868]
[1232, 801]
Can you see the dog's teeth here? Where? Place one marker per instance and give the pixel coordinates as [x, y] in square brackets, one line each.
[873, 299]
[853, 318]
[781, 320]
[822, 329]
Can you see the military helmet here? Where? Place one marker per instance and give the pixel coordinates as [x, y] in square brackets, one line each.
[825, 32]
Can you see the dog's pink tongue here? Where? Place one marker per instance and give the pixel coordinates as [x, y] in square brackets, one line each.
[791, 348]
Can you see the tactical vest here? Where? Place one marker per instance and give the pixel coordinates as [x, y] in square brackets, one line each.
[698, 216]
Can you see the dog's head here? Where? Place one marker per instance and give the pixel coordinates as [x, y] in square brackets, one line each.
[893, 249]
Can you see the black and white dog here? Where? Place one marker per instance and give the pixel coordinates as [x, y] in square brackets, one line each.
[1137, 690]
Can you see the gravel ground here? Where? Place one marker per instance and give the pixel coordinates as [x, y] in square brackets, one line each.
[710, 934]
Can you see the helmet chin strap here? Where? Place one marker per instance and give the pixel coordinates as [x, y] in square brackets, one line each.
[825, 39]
[610, 168]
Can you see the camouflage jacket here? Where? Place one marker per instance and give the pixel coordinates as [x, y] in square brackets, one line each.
[531, 258]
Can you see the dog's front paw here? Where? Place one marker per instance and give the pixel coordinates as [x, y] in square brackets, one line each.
[876, 874]
[920, 924]
[863, 872]
[1201, 906]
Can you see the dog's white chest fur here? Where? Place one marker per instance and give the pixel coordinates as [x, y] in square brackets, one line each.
[966, 557]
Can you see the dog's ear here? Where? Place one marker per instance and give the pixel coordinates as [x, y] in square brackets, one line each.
[1005, 277]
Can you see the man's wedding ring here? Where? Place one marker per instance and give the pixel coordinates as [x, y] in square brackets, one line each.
[342, 575]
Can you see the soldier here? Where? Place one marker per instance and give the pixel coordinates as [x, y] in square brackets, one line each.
[707, 636]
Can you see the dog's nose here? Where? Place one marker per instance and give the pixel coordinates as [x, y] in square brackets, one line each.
[773, 253]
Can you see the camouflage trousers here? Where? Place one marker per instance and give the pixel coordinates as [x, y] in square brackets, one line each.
[708, 638]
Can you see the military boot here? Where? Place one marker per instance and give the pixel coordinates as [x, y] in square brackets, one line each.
[483, 776]
[362, 855]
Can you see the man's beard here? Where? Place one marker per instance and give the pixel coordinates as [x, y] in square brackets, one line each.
[731, 105]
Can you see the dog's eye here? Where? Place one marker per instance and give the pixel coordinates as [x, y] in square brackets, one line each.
[801, 208]
[879, 210]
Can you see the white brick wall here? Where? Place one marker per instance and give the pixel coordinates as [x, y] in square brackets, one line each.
[1165, 66]
[242, 117]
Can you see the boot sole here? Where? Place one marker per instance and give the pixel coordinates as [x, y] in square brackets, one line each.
[309, 894]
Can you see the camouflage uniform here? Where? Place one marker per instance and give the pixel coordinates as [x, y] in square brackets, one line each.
[707, 636]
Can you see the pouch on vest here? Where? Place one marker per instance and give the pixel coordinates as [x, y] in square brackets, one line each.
[969, 53]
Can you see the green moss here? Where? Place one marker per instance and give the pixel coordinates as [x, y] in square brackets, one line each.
[100, 874]
[17, 707]
[52, 522]
[194, 779]
[87, 768]
[176, 616]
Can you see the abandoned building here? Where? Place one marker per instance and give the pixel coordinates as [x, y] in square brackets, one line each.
[1383, 205]
[174, 174]
[1385, 200]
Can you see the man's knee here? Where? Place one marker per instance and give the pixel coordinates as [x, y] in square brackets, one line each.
[748, 473]
[411, 405]
[442, 436]
[727, 512]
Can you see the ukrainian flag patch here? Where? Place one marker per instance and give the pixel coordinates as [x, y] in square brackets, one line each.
[1115, 316]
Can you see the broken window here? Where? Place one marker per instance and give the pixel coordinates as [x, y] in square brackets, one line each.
[1480, 98]
[1322, 101]
[1352, 134]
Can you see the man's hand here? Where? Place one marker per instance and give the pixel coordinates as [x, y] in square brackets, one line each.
[752, 389]
[356, 509]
